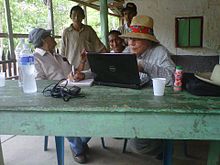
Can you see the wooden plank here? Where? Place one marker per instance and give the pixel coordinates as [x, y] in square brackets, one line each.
[1, 154]
[10, 30]
[195, 32]
[104, 22]
[15, 35]
[214, 153]
[96, 7]
[183, 32]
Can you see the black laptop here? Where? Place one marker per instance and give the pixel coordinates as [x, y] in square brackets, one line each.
[115, 69]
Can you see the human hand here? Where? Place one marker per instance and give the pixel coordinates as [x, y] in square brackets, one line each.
[78, 76]
[83, 56]
[70, 76]
[140, 65]
[83, 59]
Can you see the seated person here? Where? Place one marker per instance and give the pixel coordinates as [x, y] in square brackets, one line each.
[48, 64]
[116, 43]
[51, 66]
[153, 60]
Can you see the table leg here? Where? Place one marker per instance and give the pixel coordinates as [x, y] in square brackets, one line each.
[60, 149]
[214, 153]
[1, 154]
[168, 152]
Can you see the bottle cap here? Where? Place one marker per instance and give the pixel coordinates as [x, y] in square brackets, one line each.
[179, 67]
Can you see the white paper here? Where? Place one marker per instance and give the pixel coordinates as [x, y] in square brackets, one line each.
[87, 82]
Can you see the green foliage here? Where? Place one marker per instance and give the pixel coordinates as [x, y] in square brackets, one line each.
[2, 17]
[61, 11]
[27, 14]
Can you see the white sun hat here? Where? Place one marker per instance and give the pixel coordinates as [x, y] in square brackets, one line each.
[212, 78]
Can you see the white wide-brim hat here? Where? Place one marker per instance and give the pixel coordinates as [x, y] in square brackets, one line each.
[212, 78]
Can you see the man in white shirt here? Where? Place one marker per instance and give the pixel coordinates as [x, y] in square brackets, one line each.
[48, 64]
[51, 66]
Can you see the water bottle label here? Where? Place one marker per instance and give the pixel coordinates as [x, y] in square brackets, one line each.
[27, 60]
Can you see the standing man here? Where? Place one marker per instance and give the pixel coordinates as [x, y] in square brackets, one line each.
[128, 12]
[153, 60]
[78, 37]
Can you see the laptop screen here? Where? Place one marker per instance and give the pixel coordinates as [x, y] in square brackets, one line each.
[114, 67]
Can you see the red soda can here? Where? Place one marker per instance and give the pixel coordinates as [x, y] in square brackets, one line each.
[178, 78]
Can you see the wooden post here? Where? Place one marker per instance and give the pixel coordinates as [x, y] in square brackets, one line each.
[9, 26]
[214, 153]
[104, 21]
[85, 11]
[50, 16]
[1, 154]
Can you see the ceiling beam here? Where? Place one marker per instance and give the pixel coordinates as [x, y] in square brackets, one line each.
[96, 7]
[91, 1]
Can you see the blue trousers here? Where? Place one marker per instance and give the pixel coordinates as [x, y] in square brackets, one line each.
[77, 144]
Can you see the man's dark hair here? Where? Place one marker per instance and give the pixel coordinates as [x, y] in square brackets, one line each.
[131, 7]
[114, 32]
[77, 8]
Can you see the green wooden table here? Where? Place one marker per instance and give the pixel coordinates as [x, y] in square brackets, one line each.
[112, 112]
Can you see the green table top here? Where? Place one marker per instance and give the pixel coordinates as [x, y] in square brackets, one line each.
[107, 99]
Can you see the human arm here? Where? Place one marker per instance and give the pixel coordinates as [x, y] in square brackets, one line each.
[157, 63]
[79, 72]
[97, 45]
[78, 76]
[63, 44]
[39, 71]
[83, 60]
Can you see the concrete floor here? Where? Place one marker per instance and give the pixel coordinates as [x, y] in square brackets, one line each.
[28, 150]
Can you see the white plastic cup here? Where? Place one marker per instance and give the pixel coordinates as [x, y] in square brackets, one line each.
[159, 86]
[2, 79]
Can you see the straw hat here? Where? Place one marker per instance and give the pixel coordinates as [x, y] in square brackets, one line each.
[141, 28]
[212, 78]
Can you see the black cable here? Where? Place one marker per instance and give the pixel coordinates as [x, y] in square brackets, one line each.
[59, 90]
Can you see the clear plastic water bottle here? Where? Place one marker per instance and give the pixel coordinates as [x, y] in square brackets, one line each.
[18, 50]
[28, 70]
